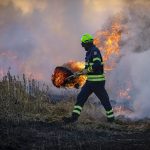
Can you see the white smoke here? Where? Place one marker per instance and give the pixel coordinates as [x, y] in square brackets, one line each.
[46, 33]
[139, 43]
[134, 65]
[141, 79]
[25, 6]
[39, 35]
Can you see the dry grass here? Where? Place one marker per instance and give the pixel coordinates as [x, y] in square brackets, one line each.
[25, 99]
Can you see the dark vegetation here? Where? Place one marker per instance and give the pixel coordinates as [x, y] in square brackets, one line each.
[31, 119]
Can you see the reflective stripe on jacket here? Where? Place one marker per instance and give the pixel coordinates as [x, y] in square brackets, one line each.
[94, 64]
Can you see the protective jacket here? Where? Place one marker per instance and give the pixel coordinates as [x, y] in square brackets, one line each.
[94, 64]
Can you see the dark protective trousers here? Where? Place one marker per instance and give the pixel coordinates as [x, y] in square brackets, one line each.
[98, 88]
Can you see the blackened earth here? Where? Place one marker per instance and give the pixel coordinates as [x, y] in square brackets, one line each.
[36, 135]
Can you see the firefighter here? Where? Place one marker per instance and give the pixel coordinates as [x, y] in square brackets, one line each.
[94, 69]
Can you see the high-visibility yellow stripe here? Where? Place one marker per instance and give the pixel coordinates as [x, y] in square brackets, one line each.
[99, 79]
[108, 112]
[110, 116]
[95, 76]
[79, 107]
[77, 111]
[96, 58]
[90, 69]
[89, 64]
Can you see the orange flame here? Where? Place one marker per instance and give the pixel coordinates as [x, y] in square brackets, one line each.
[109, 43]
[122, 110]
[124, 92]
[75, 66]
[59, 76]
[61, 73]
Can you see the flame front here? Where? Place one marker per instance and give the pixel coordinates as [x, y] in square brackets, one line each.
[122, 110]
[109, 43]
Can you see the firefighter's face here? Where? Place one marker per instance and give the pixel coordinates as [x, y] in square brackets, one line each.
[86, 46]
[83, 44]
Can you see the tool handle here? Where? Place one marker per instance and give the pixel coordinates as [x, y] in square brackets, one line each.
[76, 74]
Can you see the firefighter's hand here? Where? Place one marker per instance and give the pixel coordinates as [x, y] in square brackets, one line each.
[76, 74]
[84, 71]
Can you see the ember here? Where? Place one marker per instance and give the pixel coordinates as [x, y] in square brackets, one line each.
[59, 76]
[122, 110]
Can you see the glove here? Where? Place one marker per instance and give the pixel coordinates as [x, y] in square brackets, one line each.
[76, 74]
[84, 71]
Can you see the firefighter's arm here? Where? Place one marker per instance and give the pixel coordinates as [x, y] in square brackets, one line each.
[89, 69]
[96, 61]
[84, 71]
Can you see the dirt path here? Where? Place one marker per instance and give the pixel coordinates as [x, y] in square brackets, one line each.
[27, 135]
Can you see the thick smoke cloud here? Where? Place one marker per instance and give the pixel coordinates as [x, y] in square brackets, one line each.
[138, 24]
[46, 33]
[139, 42]
[133, 67]
[140, 75]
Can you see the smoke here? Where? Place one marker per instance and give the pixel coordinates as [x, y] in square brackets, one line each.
[138, 24]
[140, 75]
[138, 46]
[36, 36]
[133, 66]
[46, 33]
[25, 6]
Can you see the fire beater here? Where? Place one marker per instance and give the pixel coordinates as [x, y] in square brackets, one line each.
[95, 82]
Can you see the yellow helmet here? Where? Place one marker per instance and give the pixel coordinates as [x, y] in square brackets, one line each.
[87, 38]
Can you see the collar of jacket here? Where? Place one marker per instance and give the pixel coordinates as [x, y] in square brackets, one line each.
[89, 48]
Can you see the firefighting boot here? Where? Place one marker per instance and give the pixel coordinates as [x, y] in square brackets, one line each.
[111, 120]
[71, 119]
